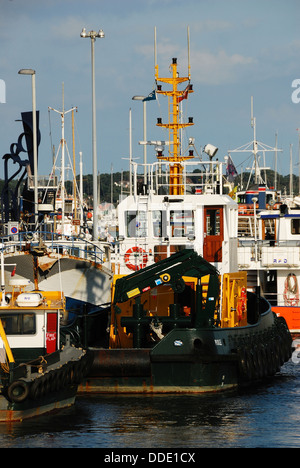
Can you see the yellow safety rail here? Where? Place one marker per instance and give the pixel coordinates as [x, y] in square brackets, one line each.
[7, 348]
[234, 300]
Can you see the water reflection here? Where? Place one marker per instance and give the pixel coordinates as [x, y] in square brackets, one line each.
[264, 416]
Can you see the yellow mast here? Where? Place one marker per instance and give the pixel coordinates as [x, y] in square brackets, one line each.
[174, 125]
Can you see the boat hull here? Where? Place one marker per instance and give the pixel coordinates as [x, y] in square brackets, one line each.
[193, 360]
[291, 315]
[82, 281]
[14, 412]
[43, 385]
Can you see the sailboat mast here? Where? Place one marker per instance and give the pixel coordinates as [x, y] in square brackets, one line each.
[62, 189]
[62, 144]
[74, 170]
[253, 125]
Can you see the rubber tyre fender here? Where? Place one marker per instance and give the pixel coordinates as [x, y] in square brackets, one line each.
[35, 389]
[18, 398]
[79, 371]
[264, 358]
[243, 365]
[70, 373]
[64, 375]
[53, 381]
[249, 365]
[259, 361]
[43, 385]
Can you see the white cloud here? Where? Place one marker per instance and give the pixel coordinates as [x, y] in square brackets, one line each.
[219, 68]
[68, 28]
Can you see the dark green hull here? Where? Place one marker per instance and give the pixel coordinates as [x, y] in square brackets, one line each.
[45, 384]
[190, 360]
[54, 401]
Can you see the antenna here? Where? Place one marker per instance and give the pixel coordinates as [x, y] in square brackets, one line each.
[155, 57]
[252, 120]
[188, 41]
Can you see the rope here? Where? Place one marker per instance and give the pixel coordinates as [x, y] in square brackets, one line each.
[5, 367]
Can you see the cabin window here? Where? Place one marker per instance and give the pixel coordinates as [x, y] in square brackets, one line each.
[136, 224]
[295, 225]
[19, 324]
[159, 222]
[213, 222]
[182, 223]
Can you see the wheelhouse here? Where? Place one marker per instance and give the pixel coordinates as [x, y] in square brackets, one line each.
[31, 321]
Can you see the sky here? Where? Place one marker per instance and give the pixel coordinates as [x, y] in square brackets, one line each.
[238, 49]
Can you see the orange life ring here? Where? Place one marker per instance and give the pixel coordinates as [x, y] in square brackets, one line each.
[142, 258]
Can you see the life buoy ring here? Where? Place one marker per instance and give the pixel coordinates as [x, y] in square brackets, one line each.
[291, 291]
[142, 258]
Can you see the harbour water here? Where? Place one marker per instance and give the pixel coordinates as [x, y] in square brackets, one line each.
[263, 416]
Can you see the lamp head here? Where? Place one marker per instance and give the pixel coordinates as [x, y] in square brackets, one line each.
[26, 71]
[210, 150]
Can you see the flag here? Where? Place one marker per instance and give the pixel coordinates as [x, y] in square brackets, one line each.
[184, 94]
[151, 96]
[231, 171]
[232, 194]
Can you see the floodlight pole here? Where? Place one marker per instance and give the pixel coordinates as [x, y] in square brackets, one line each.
[29, 71]
[93, 35]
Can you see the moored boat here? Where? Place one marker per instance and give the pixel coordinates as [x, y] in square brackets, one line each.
[45, 232]
[269, 253]
[177, 326]
[37, 374]
[269, 237]
[181, 319]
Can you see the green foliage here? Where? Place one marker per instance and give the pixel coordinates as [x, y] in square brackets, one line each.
[282, 183]
[110, 186]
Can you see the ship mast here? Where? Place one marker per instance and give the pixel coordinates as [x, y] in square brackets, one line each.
[175, 96]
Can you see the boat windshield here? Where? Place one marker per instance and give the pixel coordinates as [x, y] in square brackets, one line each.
[182, 223]
[295, 225]
[16, 323]
[136, 224]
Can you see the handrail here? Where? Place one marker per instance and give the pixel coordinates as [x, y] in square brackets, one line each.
[54, 241]
[158, 173]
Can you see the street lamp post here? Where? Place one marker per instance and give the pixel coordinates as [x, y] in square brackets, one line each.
[142, 98]
[92, 35]
[29, 71]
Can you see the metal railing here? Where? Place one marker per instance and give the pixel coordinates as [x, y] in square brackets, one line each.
[71, 245]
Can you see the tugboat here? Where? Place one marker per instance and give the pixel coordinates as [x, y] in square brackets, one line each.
[37, 375]
[177, 326]
[181, 319]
